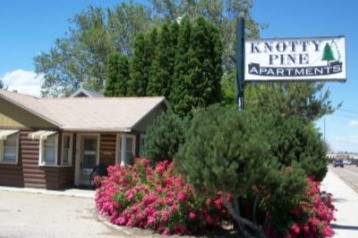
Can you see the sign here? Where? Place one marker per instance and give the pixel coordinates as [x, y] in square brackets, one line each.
[296, 59]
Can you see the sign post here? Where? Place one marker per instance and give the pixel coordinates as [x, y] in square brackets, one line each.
[240, 62]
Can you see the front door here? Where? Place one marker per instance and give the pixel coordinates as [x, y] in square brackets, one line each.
[88, 158]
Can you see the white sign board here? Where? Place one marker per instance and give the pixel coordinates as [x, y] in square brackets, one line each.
[296, 59]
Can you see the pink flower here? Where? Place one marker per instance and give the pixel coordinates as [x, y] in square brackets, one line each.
[130, 195]
[169, 201]
[327, 231]
[165, 215]
[192, 215]
[151, 220]
[166, 231]
[295, 228]
[181, 196]
[210, 219]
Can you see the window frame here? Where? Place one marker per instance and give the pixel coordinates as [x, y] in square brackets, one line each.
[42, 151]
[2, 150]
[70, 155]
[119, 145]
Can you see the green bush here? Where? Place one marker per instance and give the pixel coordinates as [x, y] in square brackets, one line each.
[230, 151]
[164, 137]
[294, 140]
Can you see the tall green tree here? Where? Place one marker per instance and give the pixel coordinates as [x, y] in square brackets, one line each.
[117, 75]
[179, 96]
[1, 84]
[222, 13]
[160, 80]
[80, 56]
[141, 63]
[198, 68]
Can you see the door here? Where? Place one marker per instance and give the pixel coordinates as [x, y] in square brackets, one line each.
[88, 158]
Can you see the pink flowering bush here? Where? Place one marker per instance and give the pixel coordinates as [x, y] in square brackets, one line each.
[139, 196]
[312, 217]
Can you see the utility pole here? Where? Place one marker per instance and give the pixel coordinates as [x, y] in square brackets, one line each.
[240, 64]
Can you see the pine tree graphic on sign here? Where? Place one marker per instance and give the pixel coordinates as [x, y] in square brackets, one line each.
[328, 53]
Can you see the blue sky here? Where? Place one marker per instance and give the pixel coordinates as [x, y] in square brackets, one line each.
[30, 27]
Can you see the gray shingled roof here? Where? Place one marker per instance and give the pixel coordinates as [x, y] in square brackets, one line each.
[87, 114]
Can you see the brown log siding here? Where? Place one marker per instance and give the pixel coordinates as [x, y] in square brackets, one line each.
[28, 173]
[107, 154]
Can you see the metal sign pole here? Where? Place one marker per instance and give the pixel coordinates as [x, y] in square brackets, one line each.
[240, 67]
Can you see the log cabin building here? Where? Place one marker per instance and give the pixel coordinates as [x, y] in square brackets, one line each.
[55, 143]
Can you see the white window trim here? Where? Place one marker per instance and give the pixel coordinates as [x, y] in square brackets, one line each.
[2, 150]
[120, 143]
[71, 149]
[41, 152]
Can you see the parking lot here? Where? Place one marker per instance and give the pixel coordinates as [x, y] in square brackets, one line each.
[50, 214]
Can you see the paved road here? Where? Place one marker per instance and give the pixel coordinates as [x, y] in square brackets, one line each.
[348, 174]
[24, 214]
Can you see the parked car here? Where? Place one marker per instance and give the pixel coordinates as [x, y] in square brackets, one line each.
[338, 163]
[347, 162]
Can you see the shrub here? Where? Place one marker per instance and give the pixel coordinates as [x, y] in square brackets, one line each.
[139, 196]
[228, 150]
[261, 161]
[297, 141]
[164, 137]
[310, 218]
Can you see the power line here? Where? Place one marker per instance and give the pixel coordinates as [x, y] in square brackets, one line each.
[343, 116]
[349, 111]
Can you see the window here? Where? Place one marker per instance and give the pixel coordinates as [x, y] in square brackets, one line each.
[127, 142]
[9, 149]
[129, 159]
[141, 145]
[48, 150]
[66, 149]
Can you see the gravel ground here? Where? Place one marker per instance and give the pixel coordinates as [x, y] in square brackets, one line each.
[44, 215]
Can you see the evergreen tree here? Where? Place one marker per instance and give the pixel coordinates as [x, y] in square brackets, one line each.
[205, 64]
[200, 81]
[112, 75]
[1, 84]
[298, 142]
[179, 96]
[164, 137]
[144, 51]
[327, 54]
[229, 151]
[304, 100]
[118, 75]
[162, 68]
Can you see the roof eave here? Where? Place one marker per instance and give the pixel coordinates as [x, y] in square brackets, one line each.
[113, 130]
[148, 112]
[30, 110]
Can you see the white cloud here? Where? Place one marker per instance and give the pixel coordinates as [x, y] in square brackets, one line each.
[26, 82]
[353, 123]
